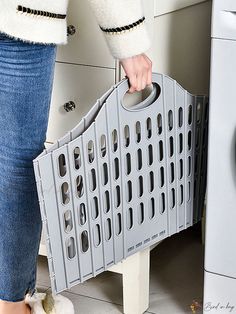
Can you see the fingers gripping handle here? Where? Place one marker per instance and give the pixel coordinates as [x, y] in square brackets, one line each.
[151, 100]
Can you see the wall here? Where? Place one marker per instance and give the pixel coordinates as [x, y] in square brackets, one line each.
[181, 46]
[166, 6]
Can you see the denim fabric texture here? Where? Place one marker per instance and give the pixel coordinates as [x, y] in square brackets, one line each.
[26, 80]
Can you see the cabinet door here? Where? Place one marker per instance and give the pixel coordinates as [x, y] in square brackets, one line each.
[87, 45]
[220, 248]
[77, 88]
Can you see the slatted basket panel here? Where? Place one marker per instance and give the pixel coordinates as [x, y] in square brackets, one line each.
[122, 179]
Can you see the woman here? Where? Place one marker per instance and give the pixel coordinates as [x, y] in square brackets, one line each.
[29, 35]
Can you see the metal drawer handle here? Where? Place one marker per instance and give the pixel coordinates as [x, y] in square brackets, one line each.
[71, 30]
[69, 106]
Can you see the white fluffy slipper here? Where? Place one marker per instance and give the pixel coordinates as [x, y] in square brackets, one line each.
[46, 303]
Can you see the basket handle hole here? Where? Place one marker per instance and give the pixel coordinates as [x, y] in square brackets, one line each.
[141, 99]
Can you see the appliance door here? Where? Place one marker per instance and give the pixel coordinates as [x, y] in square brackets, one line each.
[220, 245]
[224, 19]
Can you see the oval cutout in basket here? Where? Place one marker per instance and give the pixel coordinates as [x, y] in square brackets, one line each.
[141, 99]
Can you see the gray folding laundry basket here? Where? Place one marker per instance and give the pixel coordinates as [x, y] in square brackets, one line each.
[122, 179]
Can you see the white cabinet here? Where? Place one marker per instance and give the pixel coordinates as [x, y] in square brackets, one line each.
[86, 42]
[75, 90]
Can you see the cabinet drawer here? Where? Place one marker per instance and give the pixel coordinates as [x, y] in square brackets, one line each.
[87, 45]
[79, 85]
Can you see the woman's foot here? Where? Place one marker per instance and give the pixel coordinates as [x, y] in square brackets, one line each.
[28, 309]
[7, 307]
[45, 303]
[35, 303]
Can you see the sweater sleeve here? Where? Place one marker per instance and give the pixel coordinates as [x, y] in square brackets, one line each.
[124, 26]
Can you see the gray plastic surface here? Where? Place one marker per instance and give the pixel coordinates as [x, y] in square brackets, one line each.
[121, 180]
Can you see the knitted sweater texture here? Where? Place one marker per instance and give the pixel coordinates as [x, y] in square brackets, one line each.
[45, 21]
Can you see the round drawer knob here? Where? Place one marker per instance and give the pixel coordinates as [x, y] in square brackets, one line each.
[71, 30]
[69, 106]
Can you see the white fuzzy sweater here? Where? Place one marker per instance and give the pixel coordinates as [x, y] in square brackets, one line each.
[44, 21]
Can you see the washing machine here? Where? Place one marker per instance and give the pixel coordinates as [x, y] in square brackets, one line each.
[220, 232]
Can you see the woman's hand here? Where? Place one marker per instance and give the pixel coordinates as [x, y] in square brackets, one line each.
[138, 69]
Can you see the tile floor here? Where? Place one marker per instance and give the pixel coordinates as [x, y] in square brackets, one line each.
[176, 279]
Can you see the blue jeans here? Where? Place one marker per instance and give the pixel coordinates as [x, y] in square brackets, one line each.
[26, 79]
